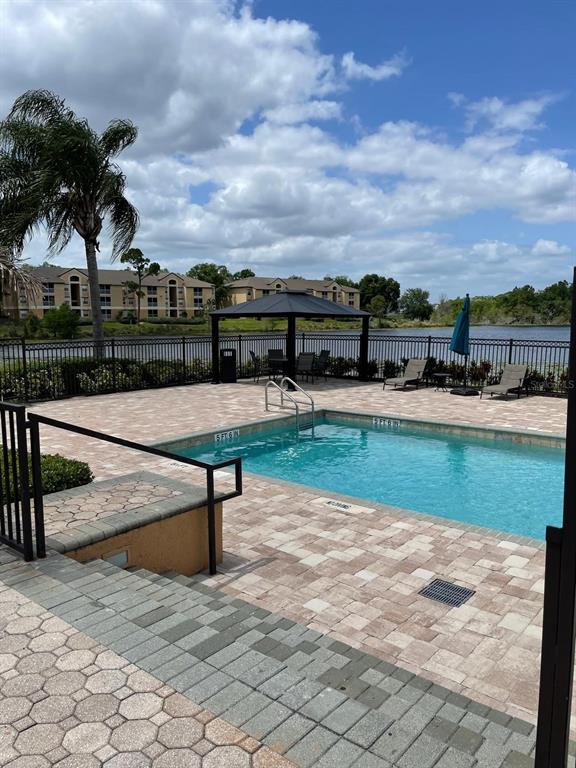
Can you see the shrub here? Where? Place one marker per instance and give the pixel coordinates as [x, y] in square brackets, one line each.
[58, 473]
[110, 377]
[162, 372]
[371, 368]
[198, 370]
[39, 384]
[341, 366]
[390, 369]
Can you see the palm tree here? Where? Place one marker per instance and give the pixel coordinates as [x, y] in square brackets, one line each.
[57, 173]
[15, 276]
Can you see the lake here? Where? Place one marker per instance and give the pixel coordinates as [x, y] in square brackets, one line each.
[520, 332]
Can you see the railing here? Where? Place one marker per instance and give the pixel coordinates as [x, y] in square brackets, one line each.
[31, 371]
[15, 508]
[16, 518]
[287, 395]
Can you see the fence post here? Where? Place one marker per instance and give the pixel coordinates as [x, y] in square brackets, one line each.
[429, 352]
[510, 350]
[24, 369]
[184, 376]
[22, 486]
[37, 486]
[113, 358]
[239, 363]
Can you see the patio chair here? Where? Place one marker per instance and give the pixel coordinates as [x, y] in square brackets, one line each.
[321, 363]
[276, 362]
[305, 365]
[413, 374]
[513, 379]
[259, 369]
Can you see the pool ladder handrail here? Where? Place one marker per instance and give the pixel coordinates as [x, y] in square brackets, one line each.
[296, 403]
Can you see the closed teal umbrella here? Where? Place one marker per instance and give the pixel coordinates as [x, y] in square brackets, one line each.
[460, 343]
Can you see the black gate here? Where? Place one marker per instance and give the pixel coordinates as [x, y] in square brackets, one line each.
[21, 509]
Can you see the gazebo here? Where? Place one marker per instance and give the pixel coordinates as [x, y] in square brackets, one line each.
[290, 304]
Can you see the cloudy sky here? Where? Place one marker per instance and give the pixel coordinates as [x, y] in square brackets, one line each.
[428, 141]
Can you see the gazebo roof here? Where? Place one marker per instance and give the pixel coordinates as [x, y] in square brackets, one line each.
[290, 304]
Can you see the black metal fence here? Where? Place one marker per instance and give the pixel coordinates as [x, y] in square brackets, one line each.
[22, 522]
[32, 371]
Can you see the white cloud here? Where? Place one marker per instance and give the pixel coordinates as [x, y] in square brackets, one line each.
[241, 158]
[549, 248]
[356, 70]
[301, 113]
[508, 116]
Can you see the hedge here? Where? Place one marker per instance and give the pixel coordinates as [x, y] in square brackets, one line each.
[58, 473]
[77, 376]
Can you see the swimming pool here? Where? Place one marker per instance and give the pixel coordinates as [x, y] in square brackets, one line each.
[501, 484]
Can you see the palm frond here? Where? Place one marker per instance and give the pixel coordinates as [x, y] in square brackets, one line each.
[123, 225]
[119, 135]
[40, 106]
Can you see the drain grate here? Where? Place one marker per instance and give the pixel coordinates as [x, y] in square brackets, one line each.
[447, 593]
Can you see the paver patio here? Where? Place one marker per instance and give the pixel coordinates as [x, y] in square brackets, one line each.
[352, 576]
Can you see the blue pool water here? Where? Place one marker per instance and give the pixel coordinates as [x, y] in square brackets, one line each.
[499, 484]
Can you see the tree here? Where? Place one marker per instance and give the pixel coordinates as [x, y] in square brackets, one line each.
[243, 274]
[218, 275]
[343, 280]
[56, 172]
[415, 304]
[15, 275]
[143, 267]
[379, 308]
[62, 322]
[295, 277]
[377, 285]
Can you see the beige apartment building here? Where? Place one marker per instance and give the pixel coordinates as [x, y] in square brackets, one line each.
[165, 295]
[252, 288]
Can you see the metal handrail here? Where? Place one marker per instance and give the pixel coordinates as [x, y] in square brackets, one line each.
[294, 400]
[34, 422]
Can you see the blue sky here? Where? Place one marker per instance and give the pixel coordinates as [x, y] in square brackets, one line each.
[517, 49]
[428, 141]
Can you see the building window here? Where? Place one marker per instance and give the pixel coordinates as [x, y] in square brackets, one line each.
[106, 314]
[152, 290]
[350, 302]
[104, 290]
[198, 292]
[265, 293]
[48, 301]
[48, 289]
[152, 312]
[105, 301]
[324, 294]
[197, 303]
[23, 313]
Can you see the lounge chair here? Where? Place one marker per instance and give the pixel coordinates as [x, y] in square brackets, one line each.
[305, 365]
[512, 379]
[413, 374]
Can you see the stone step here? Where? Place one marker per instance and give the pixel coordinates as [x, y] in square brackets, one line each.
[283, 683]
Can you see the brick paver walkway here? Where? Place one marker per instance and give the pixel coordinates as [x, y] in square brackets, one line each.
[354, 577]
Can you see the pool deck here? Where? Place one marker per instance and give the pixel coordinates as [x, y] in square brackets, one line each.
[350, 576]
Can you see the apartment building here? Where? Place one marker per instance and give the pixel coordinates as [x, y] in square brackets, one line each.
[252, 288]
[165, 295]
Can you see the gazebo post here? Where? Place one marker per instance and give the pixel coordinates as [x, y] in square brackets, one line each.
[215, 349]
[291, 347]
[363, 357]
